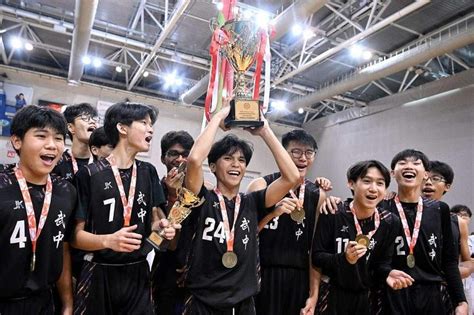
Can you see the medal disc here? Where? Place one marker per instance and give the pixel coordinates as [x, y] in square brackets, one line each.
[411, 260]
[229, 260]
[297, 215]
[362, 239]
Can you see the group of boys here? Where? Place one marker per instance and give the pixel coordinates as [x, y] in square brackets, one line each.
[266, 251]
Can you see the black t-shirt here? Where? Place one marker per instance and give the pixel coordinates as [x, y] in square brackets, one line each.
[64, 167]
[284, 242]
[436, 258]
[333, 233]
[207, 279]
[456, 232]
[15, 246]
[100, 205]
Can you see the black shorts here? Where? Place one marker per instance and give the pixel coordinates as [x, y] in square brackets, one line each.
[335, 300]
[38, 303]
[195, 307]
[283, 291]
[416, 299]
[114, 289]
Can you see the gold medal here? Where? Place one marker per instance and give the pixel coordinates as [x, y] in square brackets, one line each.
[297, 215]
[362, 239]
[229, 260]
[411, 260]
[33, 262]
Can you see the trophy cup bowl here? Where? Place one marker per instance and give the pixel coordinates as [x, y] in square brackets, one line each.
[240, 51]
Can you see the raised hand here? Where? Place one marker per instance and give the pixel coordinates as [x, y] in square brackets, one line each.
[330, 205]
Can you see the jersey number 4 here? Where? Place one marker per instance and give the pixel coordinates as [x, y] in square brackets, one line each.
[209, 231]
[18, 236]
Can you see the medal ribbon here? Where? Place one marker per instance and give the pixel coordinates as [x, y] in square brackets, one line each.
[300, 195]
[229, 233]
[126, 202]
[411, 241]
[357, 225]
[75, 168]
[30, 212]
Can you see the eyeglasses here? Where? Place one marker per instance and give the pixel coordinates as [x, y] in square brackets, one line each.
[297, 153]
[88, 118]
[436, 179]
[174, 154]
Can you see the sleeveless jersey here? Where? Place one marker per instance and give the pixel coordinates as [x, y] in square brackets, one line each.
[64, 167]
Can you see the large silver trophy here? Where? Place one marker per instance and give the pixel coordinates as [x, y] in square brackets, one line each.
[241, 50]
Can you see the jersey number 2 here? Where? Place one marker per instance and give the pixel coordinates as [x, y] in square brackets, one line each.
[219, 233]
[18, 236]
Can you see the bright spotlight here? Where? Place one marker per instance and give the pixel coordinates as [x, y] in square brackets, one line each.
[172, 80]
[367, 55]
[97, 62]
[219, 6]
[263, 19]
[278, 105]
[16, 43]
[308, 33]
[356, 51]
[118, 69]
[86, 60]
[296, 30]
[28, 46]
[300, 110]
[145, 74]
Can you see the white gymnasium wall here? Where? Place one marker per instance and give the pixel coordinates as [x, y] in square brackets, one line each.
[171, 117]
[441, 126]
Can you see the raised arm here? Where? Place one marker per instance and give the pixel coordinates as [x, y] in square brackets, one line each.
[200, 150]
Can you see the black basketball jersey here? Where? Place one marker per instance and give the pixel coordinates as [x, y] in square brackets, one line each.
[64, 167]
[456, 232]
[284, 242]
[100, 204]
[15, 243]
[436, 258]
[6, 167]
[333, 233]
[206, 277]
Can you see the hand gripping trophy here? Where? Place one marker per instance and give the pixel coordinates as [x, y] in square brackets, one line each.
[180, 211]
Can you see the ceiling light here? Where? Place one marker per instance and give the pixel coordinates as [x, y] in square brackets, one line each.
[367, 55]
[278, 105]
[86, 60]
[97, 62]
[16, 43]
[171, 80]
[296, 30]
[118, 69]
[356, 50]
[300, 110]
[28, 46]
[308, 33]
[219, 6]
[145, 74]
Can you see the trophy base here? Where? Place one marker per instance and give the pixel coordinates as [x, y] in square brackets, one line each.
[243, 113]
[157, 241]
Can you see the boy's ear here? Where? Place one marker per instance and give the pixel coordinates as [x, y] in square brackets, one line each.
[350, 185]
[16, 142]
[71, 128]
[392, 173]
[94, 150]
[121, 129]
[212, 167]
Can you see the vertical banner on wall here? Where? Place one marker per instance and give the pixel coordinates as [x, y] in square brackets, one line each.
[101, 109]
[14, 98]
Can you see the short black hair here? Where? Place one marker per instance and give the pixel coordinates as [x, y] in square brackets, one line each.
[360, 169]
[461, 208]
[125, 113]
[33, 116]
[229, 145]
[72, 111]
[171, 138]
[98, 138]
[442, 169]
[300, 136]
[411, 153]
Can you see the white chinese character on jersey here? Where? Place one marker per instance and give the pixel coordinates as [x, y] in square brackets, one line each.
[142, 214]
[18, 205]
[345, 228]
[372, 243]
[140, 198]
[60, 219]
[432, 240]
[58, 238]
[245, 240]
[245, 224]
[298, 234]
[108, 185]
[432, 254]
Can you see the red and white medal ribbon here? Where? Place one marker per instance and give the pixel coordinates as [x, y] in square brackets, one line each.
[411, 240]
[357, 225]
[127, 202]
[229, 232]
[300, 195]
[75, 168]
[34, 230]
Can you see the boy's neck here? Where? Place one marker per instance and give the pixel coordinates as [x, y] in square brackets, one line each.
[80, 150]
[361, 211]
[409, 194]
[31, 177]
[228, 192]
[124, 155]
